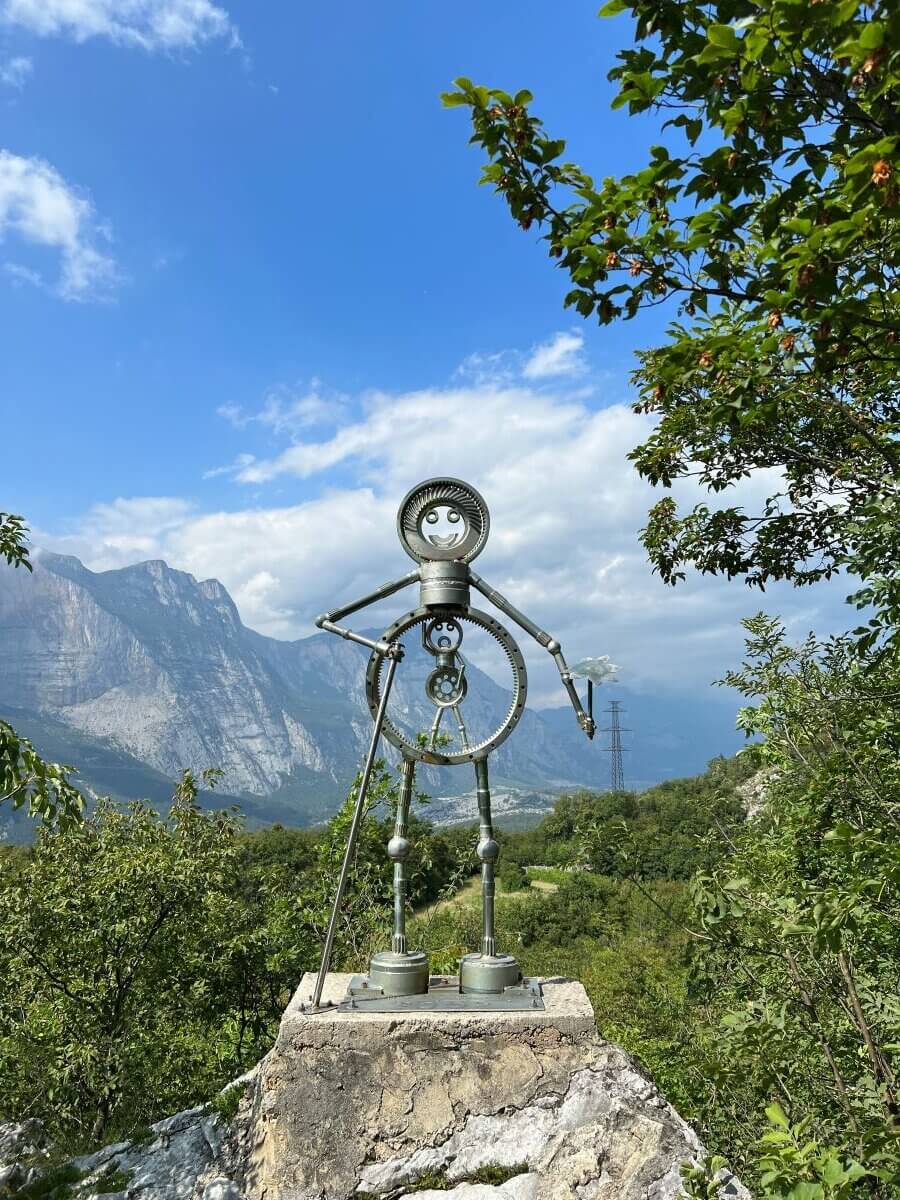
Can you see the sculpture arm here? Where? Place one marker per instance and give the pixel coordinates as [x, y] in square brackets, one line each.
[542, 638]
[327, 621]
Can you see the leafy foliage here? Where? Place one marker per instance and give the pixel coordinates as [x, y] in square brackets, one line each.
[803, 951]
[667, 832]
[25, 778]
[769, 219]
[13, 532]
[146, 960]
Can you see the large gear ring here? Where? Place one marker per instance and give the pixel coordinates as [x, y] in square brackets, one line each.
[410, 748]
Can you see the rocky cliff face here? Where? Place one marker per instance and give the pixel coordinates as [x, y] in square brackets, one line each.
[152, 662]
[132, 675]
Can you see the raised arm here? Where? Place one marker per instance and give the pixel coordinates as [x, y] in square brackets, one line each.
[327, 620]
[544, 639]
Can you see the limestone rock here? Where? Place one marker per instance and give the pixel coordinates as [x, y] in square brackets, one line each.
[381, 1103]
[180, 1162]
[527, 1105]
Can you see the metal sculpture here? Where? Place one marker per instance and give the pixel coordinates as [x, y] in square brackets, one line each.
[443, 525]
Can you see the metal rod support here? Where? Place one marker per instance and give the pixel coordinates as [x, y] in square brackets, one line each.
[354, 833]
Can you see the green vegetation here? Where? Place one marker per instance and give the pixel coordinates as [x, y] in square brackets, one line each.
[750, 965]
[112, 1180]
[491, 1174]
[58, 1183]
[146, 959]
[227, 1102]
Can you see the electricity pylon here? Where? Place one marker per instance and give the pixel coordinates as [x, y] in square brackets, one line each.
[614, 749]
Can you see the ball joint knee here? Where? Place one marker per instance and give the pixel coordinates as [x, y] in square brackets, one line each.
[487, 850]
[398, 849]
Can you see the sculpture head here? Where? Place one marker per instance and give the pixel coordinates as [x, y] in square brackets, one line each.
[443, 519]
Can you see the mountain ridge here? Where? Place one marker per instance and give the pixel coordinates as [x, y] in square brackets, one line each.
[157, 665]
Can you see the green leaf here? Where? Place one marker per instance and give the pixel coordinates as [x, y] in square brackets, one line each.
[872, 36]
[777, 1116]
[724, 36]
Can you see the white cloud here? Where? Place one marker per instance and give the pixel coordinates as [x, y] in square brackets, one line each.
[289, 411]
[15, 71]
[561, 355]
[149, 24]
[566, 507]
[38, 206]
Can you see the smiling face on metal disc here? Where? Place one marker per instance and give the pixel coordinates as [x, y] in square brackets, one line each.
[443, 519]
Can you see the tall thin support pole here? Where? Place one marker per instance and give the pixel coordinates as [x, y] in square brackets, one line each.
[614, 749]
[354, 834]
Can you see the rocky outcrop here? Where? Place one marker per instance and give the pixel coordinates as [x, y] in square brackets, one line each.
[514, 1105]
[754, 791]
[179, 1161]
[530, 1105]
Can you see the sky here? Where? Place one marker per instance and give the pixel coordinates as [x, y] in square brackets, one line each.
[250, 294]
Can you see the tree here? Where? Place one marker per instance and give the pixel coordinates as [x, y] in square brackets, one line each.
[801, 945]
[146, 959]
[25, 778]
[104, 952]
[769, 221]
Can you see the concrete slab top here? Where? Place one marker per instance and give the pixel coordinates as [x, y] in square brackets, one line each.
[566, 1009]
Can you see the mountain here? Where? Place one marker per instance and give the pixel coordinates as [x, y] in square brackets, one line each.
[136, 673]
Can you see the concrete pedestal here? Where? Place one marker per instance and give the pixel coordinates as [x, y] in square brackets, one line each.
[506, 1105]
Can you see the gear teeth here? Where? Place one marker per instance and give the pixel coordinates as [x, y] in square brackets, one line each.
[517, 672]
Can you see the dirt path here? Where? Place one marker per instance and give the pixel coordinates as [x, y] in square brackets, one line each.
[469, 893]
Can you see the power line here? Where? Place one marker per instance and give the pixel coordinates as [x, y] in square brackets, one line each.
[614, 749]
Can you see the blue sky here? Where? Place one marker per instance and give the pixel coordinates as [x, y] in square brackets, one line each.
[250, 293]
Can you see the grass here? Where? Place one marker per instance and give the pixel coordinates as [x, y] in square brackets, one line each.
[113, 1179]
[492, 1174]
[548, 875]
[228, 1102]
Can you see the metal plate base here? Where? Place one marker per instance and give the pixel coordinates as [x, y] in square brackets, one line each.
[443, 995]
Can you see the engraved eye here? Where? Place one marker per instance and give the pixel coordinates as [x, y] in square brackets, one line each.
[453, 516]
[431, 517]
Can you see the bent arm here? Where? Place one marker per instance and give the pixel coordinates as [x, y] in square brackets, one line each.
[544, 639]
[327, 621]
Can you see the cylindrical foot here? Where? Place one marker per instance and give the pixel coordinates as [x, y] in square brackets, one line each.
[488, 973]
[399, 974]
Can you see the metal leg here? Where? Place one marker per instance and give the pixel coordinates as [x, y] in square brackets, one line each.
[435, 727]
[487, 851]
[353, 834]
[463, 736]
[398, 971]
[398, 852]
[487, 971]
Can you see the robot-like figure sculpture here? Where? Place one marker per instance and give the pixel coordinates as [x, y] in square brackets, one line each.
[443, 525]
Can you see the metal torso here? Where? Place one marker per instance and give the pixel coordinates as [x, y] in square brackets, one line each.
[419, 619]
